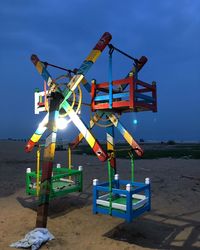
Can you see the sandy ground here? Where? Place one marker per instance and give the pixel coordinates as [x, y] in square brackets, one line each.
[173, 223]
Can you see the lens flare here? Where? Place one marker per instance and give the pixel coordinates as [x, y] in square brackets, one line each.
[61, 123]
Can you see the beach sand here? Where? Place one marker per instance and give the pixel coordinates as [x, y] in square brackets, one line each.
[173, 223]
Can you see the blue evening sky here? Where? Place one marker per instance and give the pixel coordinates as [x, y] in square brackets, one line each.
[63, 32]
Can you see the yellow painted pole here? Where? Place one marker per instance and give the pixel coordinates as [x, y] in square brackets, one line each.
[38, 171]
[69, 157]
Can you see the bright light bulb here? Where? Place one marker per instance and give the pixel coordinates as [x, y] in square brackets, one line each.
[135, 121]
[61, 123]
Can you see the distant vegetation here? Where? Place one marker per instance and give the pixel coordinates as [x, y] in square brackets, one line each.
[14, 139]
[153, 150]
[171, 142]
[169, 149]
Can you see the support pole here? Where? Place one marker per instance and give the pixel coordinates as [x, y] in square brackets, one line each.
[110, 146]
[38, 171]
[45, 96]
[110, 179]
[47, 166]
[132, 170]
[111, 162]
[45, 186]
[110, 80]
[132, 165]
[69, 157]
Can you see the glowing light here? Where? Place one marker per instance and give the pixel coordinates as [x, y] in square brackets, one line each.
[43, 124]
[135, 121]
[61, 123]
[40, 126]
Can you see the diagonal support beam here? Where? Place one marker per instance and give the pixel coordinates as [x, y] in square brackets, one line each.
[94, 144]
[80, 137]
[37, 134]
[127, 136]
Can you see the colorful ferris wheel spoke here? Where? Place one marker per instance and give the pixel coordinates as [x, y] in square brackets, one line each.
[80, 137]
[42, 70]
[42, 127]
[85, 66]
[94, 144]
[127, 136]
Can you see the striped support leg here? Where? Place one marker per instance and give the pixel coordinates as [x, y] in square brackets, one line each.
[45, 186]
[49, 152]
[47, 167]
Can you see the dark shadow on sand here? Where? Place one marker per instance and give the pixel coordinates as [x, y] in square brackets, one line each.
[159, 232]
[59, 206]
